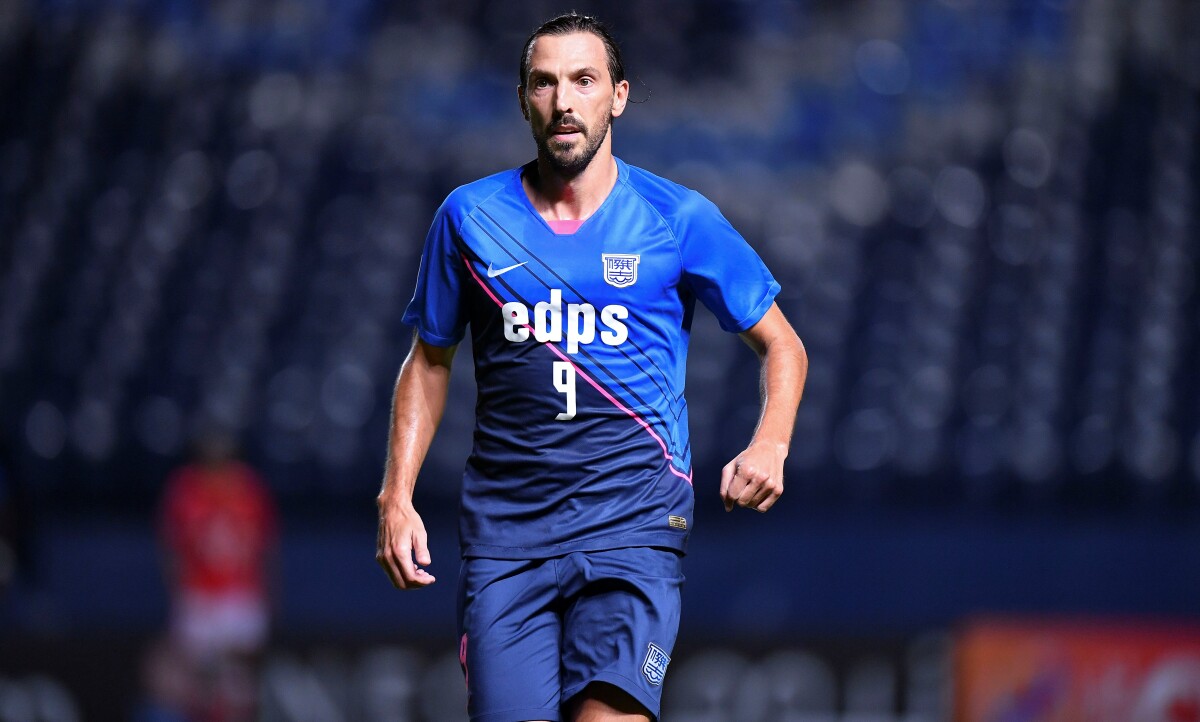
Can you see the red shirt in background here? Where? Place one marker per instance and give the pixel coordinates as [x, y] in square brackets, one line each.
[220, 523]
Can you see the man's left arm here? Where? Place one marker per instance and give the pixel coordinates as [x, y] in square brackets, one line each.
[754, 479]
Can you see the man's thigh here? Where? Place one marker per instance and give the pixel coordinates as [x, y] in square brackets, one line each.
[621, 622]
[510, 630]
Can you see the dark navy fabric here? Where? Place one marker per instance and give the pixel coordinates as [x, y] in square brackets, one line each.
[580, 346]
[535, 633]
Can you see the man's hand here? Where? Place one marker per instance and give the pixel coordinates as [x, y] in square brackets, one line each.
[755, 478]
[401, 537]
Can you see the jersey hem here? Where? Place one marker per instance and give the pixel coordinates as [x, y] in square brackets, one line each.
[665, 540]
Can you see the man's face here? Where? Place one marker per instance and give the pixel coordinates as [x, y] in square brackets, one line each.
[569, 99]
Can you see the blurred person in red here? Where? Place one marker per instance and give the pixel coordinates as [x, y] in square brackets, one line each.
[219, 529]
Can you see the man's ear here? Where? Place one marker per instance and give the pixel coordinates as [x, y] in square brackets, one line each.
[521, 99]
[620, 98]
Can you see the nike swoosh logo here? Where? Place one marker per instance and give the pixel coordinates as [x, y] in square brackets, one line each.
[493, 272]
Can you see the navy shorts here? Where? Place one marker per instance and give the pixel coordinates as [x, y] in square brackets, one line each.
[534, 633]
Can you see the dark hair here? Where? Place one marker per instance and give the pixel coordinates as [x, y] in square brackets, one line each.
[573, 22]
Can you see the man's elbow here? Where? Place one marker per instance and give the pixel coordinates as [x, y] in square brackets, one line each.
[786, 344]
[800, 352]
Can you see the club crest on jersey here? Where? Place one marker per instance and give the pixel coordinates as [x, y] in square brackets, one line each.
[655, 666]
[620, 269]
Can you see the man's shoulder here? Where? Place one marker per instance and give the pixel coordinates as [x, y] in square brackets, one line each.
[669, 198]
[466, 198]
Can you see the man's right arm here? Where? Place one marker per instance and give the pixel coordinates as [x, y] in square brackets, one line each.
[417, 405]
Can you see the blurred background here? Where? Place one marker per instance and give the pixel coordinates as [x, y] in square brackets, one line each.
[982, 213]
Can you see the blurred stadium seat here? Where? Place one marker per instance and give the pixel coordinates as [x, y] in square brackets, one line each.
[789, 685]
[704, 685]
[443, 695]
[927, 670]
[212, 212]
[983, 215]
[870, 687]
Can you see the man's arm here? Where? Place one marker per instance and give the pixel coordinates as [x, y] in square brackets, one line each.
[417, 405]
[755, 478]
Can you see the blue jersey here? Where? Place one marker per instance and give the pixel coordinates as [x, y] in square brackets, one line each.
[580, 344]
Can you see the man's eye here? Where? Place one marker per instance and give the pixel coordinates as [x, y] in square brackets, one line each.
[585, 82]
[541, 83]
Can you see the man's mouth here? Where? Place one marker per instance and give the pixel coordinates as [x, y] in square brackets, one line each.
[563, 131]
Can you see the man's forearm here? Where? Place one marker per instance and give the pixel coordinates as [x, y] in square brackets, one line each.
[754, 479]
[784, 370]
[418, 400]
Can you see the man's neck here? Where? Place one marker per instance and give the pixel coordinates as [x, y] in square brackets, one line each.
[557, 197]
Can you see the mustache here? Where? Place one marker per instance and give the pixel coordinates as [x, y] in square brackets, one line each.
[567, 120]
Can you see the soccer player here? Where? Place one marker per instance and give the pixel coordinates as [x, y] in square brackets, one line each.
[219, 528]
[578, 276]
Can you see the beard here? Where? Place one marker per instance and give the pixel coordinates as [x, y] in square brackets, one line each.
[570, 159]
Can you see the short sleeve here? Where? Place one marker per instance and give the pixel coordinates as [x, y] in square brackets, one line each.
[721, 268]
[437, 309]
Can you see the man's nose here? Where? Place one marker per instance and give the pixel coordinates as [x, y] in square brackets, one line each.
[562, 97]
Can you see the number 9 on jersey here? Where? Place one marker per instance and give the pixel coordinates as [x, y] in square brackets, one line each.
[564, 381]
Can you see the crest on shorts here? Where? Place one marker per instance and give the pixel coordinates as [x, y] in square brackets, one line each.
[620, 269]
[655, 666]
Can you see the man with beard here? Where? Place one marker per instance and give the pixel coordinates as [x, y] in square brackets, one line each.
[578, 275]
